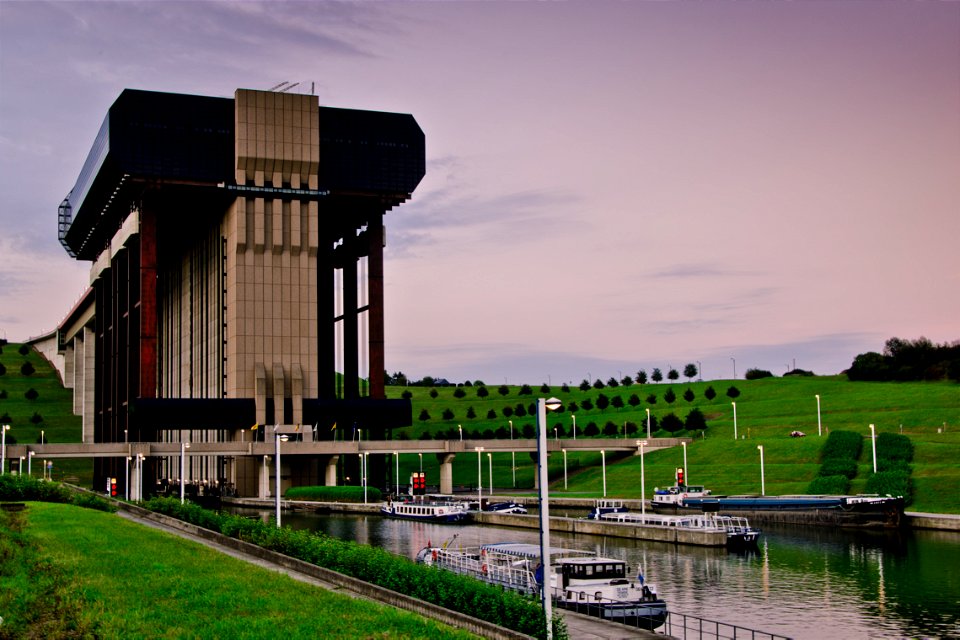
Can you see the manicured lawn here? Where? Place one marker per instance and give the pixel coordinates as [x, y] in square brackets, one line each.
[122, 580]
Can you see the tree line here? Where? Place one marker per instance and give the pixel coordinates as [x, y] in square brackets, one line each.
[908, 361]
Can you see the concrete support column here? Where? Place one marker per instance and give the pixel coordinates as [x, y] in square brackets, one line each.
[446, 472]
[88, 392]
[330, 473]
[264, 485]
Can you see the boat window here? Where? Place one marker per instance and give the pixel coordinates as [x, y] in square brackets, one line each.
[598, 596]
[583, 595]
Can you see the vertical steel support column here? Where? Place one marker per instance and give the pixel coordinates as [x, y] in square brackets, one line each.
[375, 314]
[326, 325]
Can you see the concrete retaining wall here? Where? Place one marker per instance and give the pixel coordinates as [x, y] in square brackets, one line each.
[940, 521]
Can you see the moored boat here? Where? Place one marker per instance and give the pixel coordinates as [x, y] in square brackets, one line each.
[505, 507]
[426, 510]
[604, 506]
[579, 580]
[740, 535]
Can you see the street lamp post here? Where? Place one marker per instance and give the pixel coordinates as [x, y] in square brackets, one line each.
[763, 486]
[421, 463]
[564, 469]
[603, 463]
[183, 467]
[734, 367]
[513, 458]
[460, 427]
[126, 478]
[140, 477]
[278, 437]
[490, 471]
[544, 496]
[734, 420]
[700, 370]
[819, 424]
[574, 416]
[643, 480]
[30, 463]
[648, 423]
[873, 443]
[479, 451]
[396, 461]
[686, 477]
[3, 454]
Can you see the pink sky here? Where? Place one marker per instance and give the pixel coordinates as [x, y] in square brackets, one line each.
[610, 185]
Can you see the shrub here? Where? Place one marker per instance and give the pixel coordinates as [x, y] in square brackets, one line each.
[830, 485]
[503, 390]
[19, 488]
[695, 420]
[798, 372]
[434, 393]
[756, 374]
[23, 350]
[893, 446]
[688, 395]
[893, 483]
[3, 370]
[36, 418]
[525, 390]
[447, 414]
[27, 369]
[670, 396]
[709, 393]
[31, 394]
[842, 444]
[424, 415]
[671, 423]
[88, 501]
[407, 394]
[482, 392]
[459, 392]
[838, 467]
[733, 392]
[3, 394]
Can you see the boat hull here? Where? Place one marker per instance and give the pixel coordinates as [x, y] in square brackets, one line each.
[844, 511]
[647, 615]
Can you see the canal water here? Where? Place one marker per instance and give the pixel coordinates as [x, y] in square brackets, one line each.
[802, 582]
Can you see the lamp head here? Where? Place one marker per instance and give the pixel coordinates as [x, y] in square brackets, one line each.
[553, 404]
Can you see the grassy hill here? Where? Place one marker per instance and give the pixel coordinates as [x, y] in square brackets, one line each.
[767, 411]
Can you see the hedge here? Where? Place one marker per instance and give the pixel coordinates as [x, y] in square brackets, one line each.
[842, 444]
[20, 488]
[829, 485]
[443, 588]
[838, 467]
[893, 446]
[892, 483]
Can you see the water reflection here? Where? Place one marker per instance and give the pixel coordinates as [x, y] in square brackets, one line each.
[800, 582]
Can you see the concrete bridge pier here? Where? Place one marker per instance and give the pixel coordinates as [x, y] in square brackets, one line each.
[264, 485]
[446, 472]
[330, 473]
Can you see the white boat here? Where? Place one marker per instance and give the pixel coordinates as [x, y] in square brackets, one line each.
[605, 506]
[505, 507]
[739, 532]
[426, 510]
[579, 580]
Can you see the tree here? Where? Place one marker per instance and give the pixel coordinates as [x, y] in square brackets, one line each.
[501, 433]
[586, 404]
[36, 418]
[613, 382]
[617, 402]
[672, 374]
[525, 390]
[459, 392]
[688, 395]
[407, 394]
[424, 415]
[31, 394]
[520, 410]
[27, 369]
[670, 396]
[492, 414]
[433, 393]
[507, 411]
[584, 385]
[3, 394]
[633, 400]
[656, 376]
[565, 388]
[503, 390]
[573, 407]
[756, 374]
[598, 384]
[24, 349]
[3, 370]
[627, 381]
[710, 393]
[426, 436]
[671, 423]
[733, 392]
[651, 399]
[602, 402]
[690, 371]
[610, 428]
[482, 392]
[641, 377]
[528, 431]
[471, 414]
[544, 388]
[695, 420]
[448, 414]
[591, 429]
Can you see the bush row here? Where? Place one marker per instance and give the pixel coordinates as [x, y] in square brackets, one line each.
[457, 593]
[20, 488]
[838, 463]
[829, 485]
[845, 445]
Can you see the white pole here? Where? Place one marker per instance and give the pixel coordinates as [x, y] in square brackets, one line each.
[574, 416]
[686, 476]
[183, 467]
[648, 423]
[126, 478]
[763, 486]
[643, 482]
[396, 459]
[564, 469]
[30, 464]
[734, 421]
[479, 479]
[603, 461]
[545, 594]
[276, 483]
[873, 442]
[819, 424]
[490, 470]
[3, 455]
[513, 458]
[364, 460]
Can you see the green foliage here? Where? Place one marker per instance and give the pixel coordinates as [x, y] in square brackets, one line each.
[710, 393]
[893, 483]
[671, 423]
[459, 393]
[91, 501]
[757, 374]
[844, 445]
[19, 488]
[3, 370]
[829, 485]
[838, 467]
[31, 394]
[893, 446]
[689, 395]
[27, 369]
[333, 494]
[695, 420]
[23, 350]
[670, 396]
[374, 565]
[733, 392]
